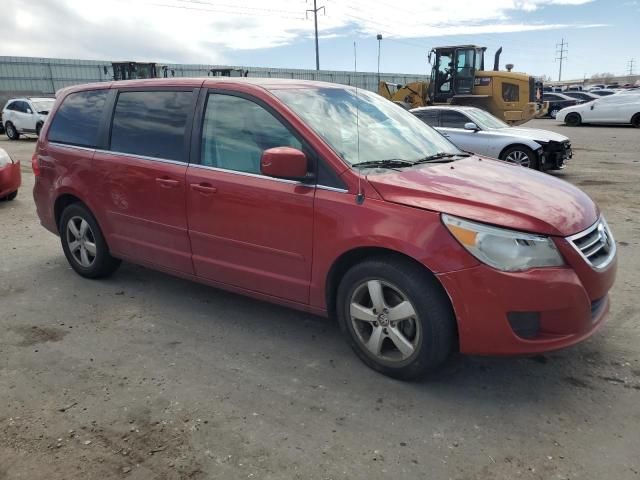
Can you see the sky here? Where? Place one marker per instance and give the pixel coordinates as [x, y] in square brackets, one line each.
[602, 35]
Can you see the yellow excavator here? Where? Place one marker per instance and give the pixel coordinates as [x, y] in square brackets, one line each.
[458, 77]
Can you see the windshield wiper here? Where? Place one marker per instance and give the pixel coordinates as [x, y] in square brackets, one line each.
[387, 163]
[442, 157]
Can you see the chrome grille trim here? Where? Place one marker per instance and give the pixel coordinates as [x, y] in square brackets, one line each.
[595, 245]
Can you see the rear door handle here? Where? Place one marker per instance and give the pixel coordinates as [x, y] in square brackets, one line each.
[167, 182]
[204, 188]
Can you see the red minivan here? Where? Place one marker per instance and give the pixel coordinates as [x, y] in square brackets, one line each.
[330, 200]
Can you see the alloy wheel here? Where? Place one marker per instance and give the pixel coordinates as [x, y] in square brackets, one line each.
[554, 113]
[11, 131]
[385, 321]
[519, 157]
[81, 241]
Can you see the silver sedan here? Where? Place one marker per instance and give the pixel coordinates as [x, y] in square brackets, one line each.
[477, 131]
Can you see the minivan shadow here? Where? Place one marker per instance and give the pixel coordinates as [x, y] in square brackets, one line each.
[293, 334]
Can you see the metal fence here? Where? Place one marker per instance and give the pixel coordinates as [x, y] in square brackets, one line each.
[44, 76]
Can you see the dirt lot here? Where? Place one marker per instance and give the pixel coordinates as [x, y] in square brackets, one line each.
[147, 376]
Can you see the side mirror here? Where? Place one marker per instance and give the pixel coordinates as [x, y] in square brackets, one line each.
[284, 162]
[471, 126]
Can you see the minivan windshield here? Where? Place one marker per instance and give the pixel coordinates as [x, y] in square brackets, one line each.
[384, 131]
[485, 120]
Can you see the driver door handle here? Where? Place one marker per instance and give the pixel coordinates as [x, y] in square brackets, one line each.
[204, 188]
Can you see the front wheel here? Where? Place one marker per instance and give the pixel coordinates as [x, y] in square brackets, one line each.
[396, 317]
[573, 120]
[521, 155]
[83, 243]
[11, 131]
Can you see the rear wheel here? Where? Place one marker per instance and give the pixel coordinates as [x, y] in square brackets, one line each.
[11, 131]
[554, 112]
[12, 196]
[573, 119]
[396, 317]
[38, 128]
[521, 155]
[83, 243]
[635, 121]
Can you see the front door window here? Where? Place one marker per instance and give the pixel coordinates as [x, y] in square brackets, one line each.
[236, 131]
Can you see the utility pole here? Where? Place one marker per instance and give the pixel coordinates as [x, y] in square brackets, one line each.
[379, 37]
[562, 52]
[315, 11]
[630, 65]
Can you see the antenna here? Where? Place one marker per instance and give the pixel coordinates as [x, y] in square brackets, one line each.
[360, 194]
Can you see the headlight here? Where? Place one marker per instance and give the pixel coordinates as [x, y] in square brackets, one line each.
[5, 159]
[506, 250]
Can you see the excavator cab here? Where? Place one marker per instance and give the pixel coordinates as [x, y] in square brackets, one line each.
[227, 72]
[139, 70]
[453, 72]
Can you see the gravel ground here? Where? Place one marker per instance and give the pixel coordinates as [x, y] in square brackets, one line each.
[147, 376]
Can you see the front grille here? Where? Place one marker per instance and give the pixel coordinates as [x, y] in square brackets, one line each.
[595, 244]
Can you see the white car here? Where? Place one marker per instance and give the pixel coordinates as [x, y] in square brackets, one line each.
[477, 131]
[614, 109]
[25, 115]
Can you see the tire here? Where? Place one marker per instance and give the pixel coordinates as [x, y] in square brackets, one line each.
[554, 112]
[426, 332]
[11, 131]
[12, 196]
[88, 238]
[635, 120]
[573, 119]
[521, 155]
[38, 128]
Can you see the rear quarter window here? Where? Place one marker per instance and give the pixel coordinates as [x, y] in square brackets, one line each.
[77, 120]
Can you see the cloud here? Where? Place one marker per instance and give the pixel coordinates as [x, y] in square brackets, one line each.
[208, 31]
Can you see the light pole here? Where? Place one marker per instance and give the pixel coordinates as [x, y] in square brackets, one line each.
[379, 37]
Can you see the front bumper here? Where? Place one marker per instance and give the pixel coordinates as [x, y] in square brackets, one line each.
[10, 178]
[556, 155]
[558, 307]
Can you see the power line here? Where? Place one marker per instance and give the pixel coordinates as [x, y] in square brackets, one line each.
[562, 52]
[315, 11]
[229, 10]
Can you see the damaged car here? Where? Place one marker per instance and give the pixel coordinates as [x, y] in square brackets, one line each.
[477, 131]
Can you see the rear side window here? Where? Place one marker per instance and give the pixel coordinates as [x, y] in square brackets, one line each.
[77, 121]
[453, 119]
[152, 124]
[430, 117]
[18, 106]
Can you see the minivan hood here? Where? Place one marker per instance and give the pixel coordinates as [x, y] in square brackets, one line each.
[491, 191]
[530, 133]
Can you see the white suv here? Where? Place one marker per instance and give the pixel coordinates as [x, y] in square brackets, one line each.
[25, 115]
